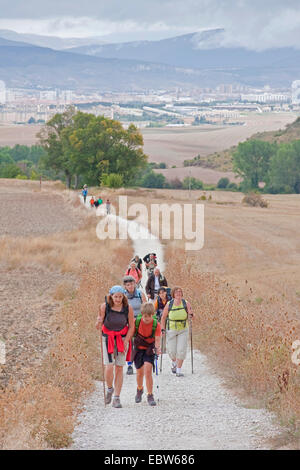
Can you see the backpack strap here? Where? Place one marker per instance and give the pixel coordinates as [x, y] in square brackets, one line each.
[137, 325]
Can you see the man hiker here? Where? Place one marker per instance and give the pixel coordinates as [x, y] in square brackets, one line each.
[135, 299]
[146, 344]
[84, 193]
[116, 321]
[155, 281]
[107, 206]
[174, 323]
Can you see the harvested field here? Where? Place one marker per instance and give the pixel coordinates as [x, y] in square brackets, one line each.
[206, 175]
[174, 145]
[18, 134]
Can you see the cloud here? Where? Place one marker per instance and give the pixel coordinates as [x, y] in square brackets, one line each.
[251, 23]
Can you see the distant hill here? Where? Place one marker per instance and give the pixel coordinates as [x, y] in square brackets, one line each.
[197, 50]
[53, 42]
[192, 60]
[24, 65]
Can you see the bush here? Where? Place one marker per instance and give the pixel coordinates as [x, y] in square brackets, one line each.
[223, 183]
[175, 183]
[112, 180]
[233, 187]
[21, 177]
[254, 200]
[192, 183]
[153, 180]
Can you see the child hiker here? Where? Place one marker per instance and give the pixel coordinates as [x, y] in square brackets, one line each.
[146, 345]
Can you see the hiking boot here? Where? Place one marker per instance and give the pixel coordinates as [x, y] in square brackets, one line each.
[138, 397]
[179, 374]
[116, 402]
[109, 395]
[130, 370]
[173, 369]
[151, 400]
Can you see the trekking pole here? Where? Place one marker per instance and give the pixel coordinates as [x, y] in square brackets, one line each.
[102, 363]
[156, 374]
[161, 356]
[191, 335]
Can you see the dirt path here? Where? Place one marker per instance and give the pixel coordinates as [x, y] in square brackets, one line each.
[194, 412]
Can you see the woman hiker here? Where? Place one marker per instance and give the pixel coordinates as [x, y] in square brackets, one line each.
[146, 345]
[134, 271]
[176, 314]
[135, 298]
[116, 321]
[161, 300]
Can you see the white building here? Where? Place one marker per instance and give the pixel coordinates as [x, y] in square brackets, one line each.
[296, 92]
[2, 92]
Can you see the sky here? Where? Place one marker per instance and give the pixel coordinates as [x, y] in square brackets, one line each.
[255, 24]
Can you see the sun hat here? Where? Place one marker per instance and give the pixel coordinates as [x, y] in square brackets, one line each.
[117, 289]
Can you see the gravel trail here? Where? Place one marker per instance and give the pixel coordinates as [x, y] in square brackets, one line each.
[194, 412]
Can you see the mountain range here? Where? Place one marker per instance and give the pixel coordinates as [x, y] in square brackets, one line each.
[191, 60]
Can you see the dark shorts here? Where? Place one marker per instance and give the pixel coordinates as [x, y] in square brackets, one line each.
[141, 357]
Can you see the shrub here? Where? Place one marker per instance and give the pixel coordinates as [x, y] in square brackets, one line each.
[223, 183]
[176, 184]
[113, 180]
[254, 200]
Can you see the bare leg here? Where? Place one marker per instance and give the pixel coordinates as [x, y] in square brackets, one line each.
[118, 380]
[109, 375]
[140, 377]
[148, 376]
[179, 363]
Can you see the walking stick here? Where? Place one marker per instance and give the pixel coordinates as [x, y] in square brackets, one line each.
[156, 374]
[191, 335]
[102, 363]
[162, 351]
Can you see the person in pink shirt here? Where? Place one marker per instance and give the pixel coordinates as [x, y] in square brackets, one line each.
[134, 272]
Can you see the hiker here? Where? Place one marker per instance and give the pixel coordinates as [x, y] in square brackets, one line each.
[107, 206]
[150, 262]
[92, 201]
[100, 200]
[116, 321]
[134, 272]
[161, 300]
[135, 298]
[138, 261]
[146, 344]
[96, 203]
[155, 281]
[176, 315]
[84, 193]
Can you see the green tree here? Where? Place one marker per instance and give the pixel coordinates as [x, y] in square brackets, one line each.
[89, 146]
[284, 175]
[112, 180]
[252, 160]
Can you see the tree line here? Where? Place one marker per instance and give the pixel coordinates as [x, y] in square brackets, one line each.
[277, 166]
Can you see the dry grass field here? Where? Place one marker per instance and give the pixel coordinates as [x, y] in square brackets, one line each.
[53, 274]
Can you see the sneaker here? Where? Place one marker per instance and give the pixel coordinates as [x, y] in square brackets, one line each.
[130, 370]
[109, 394]
[173, 369]
[116, 402]
[138, 397]
[151, 400]
[179, 374]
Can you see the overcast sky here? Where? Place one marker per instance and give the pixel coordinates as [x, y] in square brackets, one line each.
[255, 24]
